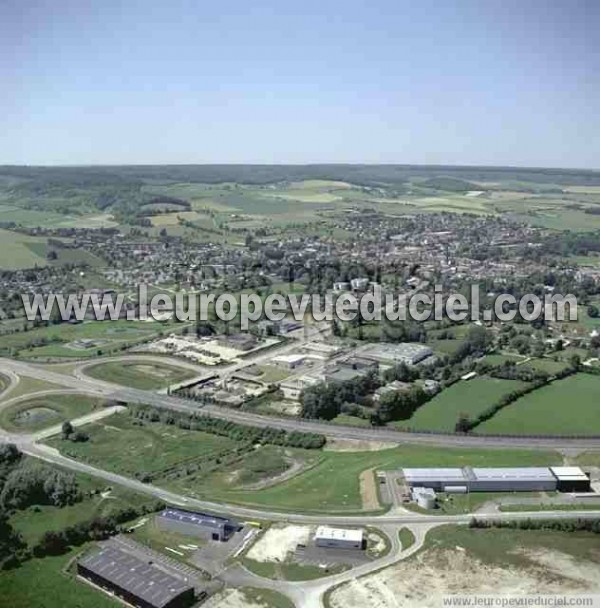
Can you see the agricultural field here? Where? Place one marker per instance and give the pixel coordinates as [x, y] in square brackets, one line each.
[81, 340]
[41, 412]
[469, 397]
[139, 374]
[565, 407]
[493, 562]
[24, 251]
[120, 443]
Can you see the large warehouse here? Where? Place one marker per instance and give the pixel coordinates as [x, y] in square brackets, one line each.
[200, 525]
[496, 479]
[339, 538]
[137, 582]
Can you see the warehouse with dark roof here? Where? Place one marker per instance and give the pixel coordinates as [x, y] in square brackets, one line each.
[190, 523]
[139, 583]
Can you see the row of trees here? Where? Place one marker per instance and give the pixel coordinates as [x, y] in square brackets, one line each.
[560, 525]
[226, 428]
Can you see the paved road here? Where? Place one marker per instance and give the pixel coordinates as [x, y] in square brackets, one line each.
[112, 391]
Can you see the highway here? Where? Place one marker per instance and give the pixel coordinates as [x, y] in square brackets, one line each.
[112, 391]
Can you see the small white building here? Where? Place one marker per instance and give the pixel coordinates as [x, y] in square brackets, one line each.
[288, 361]
[339, 538]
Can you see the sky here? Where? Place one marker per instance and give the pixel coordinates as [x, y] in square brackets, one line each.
[476, 82]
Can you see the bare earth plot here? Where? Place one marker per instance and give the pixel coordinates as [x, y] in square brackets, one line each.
[480, 562]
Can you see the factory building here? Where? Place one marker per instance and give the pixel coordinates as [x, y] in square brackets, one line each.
[200, 525]
[524, 479]
[339, 538]
[441, 480]
[497, 479]
[571, 479]
[403, 352]
[137, 582]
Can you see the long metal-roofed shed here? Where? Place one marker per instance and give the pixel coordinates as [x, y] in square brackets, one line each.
[200, 525]
[137, 582]
[511, 479]
[485, 479]
[440, 479]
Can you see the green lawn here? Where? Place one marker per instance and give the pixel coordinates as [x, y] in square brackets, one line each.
[470, 397]
[139, 374]
[41, 412]
[407, 538]
[29, 385]
[121, 445]
[58, 340]
[43, 583]
[566, 407]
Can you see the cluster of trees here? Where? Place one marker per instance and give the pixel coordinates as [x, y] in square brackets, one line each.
[36, 484]
[510, 371]
[399, 405]
[325, 401]
[226, 428]
[560, 525]
[69, 433]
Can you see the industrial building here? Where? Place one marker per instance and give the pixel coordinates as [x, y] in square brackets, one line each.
[339, 538]
[200, 525]
[497, 479]
[571, 479]
[404, 352]
[137, 582]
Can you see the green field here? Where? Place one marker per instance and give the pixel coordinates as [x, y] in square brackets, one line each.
[139, 374]
[24, 251]
[27, 385]
[470, 397]
[324, 481]
[43, 583]
[59, 341]
[565, 407]
[333, 484]
[119, 444]
[41, 412]
[407, 538]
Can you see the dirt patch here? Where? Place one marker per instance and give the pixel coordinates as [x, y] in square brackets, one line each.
[232, 598]
[357, 445]
[368, 491]
[424, 580]
[275, 544]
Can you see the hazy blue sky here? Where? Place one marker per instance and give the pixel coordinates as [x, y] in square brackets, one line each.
[507, 82]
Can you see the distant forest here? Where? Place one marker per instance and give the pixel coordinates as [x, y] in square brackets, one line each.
[362, 175]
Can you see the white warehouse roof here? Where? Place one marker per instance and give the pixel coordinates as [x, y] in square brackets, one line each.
[326, 533]
[513, 473]
[443, 474]
[569, 473]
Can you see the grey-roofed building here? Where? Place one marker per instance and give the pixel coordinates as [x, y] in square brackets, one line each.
[436, 478]
[139, 583]
[403, 352]
[201, 525]
[513, 479]
[483, 479]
